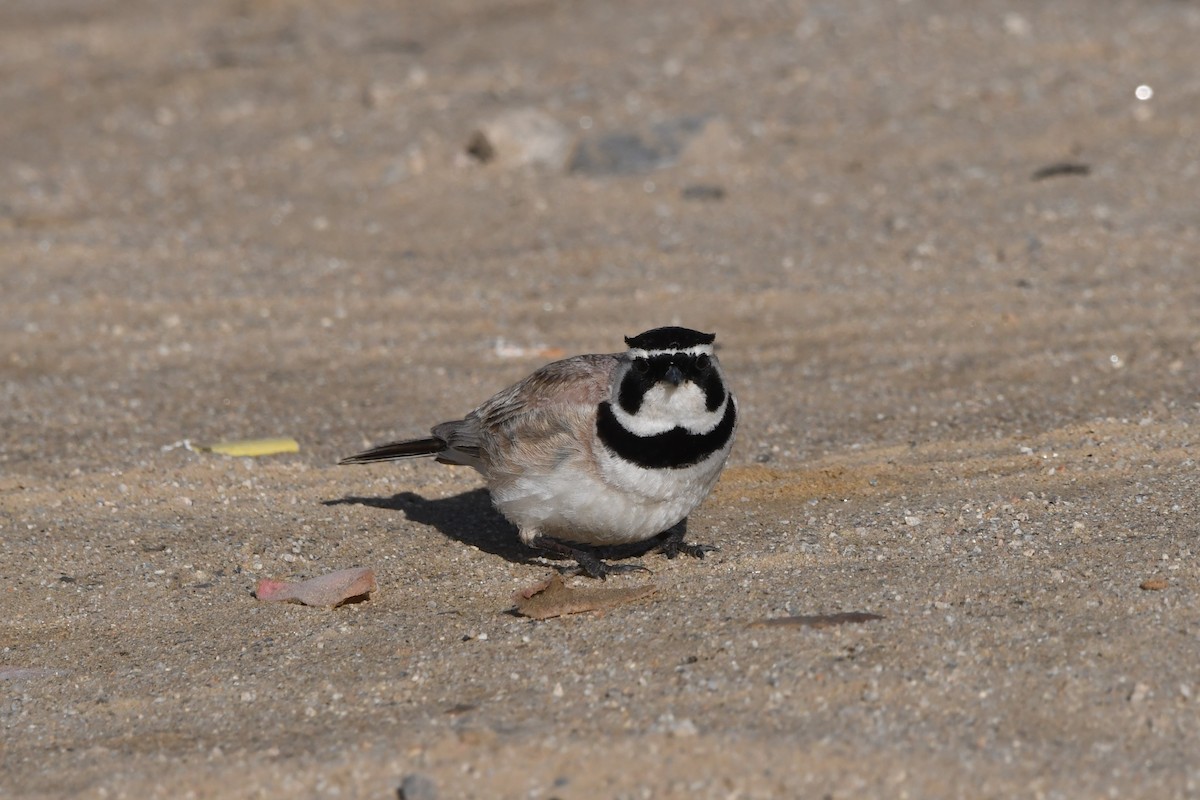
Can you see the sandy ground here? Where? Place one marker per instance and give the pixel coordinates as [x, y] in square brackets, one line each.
[969, 396]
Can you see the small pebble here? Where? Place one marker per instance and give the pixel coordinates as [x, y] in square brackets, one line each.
[684, 728]
[524, 137]
[707, 192]
[416, 786]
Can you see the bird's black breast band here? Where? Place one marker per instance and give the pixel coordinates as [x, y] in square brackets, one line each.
[673, 449]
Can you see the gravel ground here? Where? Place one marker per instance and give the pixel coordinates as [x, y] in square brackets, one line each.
[951, 258]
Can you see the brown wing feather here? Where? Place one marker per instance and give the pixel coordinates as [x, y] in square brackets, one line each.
[545, 416]
[578, 381]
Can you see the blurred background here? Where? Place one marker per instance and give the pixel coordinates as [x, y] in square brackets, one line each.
[349, 220]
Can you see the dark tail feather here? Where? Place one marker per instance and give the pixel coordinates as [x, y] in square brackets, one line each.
[413, 448]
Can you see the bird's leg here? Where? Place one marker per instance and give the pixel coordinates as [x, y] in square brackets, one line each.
[589, 563]
[672, 544]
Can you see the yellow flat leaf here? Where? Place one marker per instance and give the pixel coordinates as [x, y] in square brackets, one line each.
[254, 447]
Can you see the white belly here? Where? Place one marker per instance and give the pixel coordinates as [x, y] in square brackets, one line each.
[620, 505]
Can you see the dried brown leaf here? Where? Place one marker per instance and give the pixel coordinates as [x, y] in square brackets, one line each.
[553, 598]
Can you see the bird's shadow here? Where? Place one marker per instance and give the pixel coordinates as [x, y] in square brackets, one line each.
[471, 519]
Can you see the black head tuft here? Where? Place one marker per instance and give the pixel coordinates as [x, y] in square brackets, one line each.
[670, 338]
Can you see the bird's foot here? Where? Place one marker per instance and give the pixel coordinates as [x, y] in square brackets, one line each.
[673, 544]
[588, 563]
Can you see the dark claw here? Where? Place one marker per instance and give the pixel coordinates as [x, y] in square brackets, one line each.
[595, 568]
[589, 563]
[686, 548]
[673, 544]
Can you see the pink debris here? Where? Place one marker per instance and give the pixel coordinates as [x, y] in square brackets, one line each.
[330, 590]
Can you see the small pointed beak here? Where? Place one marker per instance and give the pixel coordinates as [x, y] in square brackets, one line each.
[674, 375]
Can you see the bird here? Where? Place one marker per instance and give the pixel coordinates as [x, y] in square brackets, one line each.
[598, 450]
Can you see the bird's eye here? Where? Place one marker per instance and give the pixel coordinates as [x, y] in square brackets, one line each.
[703, 362]
[641, 366]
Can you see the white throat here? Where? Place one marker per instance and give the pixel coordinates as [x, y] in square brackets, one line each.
[666, 407]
